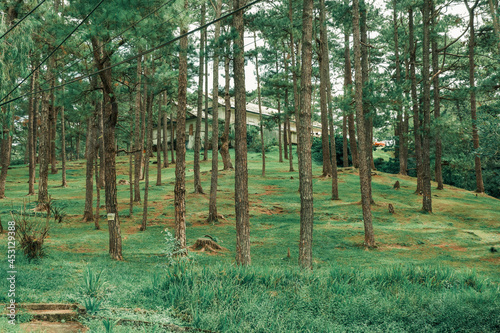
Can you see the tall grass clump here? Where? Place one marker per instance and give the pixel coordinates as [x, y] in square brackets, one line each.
[93, 290]
[279, 299]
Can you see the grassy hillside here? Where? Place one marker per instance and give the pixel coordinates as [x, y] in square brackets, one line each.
[425, 267]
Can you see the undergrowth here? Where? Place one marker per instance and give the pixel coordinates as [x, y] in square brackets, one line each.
[262, 299]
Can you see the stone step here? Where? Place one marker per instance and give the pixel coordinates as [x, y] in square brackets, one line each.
[52, 312]
[54, 315]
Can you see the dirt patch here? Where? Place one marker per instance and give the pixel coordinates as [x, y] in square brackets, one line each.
[453, 247]
[266, 211]
[388, 247]
[270, 189]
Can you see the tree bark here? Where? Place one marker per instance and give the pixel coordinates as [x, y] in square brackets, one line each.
[172, 138]
[205, 142]
[110, 119]
[473, 106]
[97, 189]
[197, 134]
[416, 112]
[33, 105]
[165, 139]
[131, 159]
[64, 183]
[52, 129]
[304, 141]
[402, 131]
[88, 214]
[180, 166]
[43, 173]
[333, 148]
[31, 135]
[288, 116]
[241, 172]
[158, 141]
[324, 69]
[437, 102]
[5, 149]
[149, 148]
[259, 97]
[212, 208]
[426, 110]
[348, 91]
[364, 158]
[224, 150]
[137, 133]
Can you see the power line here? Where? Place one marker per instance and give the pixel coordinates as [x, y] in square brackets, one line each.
[79, 59]
[17, 23]
[53, 51]
[134, 57]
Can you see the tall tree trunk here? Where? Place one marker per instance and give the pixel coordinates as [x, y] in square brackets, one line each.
[165, 138]
[345, 149]
[102, 160]
[197, 134]
[143, 129]
[285, 123]
[437, 101]
[416, 113]
[149, 148]
[280, 144]
[5, 150]
[364, 158]
[402, 132]
[473, 106]
[241, 171]
[180, 166]
[304, 141]
[137, 133]
[43, 173]
[426, 109]
[110, 119]
[33, 107]
[63, 147]
[131, 159]
[224, 149]
[53, 129]
[97, 189]
[368, 115]
[365, 74]
[88, 214]
[212, 208]
[288, 116]
[348, 91]
[295, 75]
[262, 143]
[172, 138]
[324, 70]
[205, 142]
[333, 149]
[158, 141]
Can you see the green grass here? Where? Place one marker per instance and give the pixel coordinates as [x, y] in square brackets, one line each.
[430, 272]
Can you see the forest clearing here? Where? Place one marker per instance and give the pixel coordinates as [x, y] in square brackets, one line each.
[357, 187]
[439, 262]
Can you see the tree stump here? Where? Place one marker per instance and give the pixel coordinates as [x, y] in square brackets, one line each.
[205, 244]
[397, 186]
[391, 209]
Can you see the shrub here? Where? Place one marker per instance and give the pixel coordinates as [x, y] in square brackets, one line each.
[31, 233]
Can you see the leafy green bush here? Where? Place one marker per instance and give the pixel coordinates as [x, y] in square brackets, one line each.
[317, 150]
